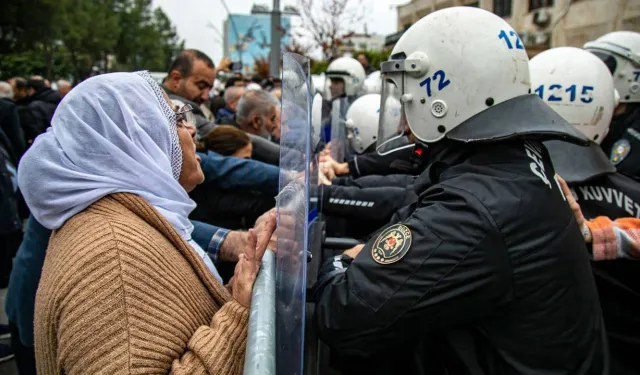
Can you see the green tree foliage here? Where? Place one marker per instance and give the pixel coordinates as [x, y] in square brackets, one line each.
[78, 38]
[148, 39]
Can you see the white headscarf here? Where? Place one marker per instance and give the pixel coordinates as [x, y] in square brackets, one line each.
[112, 133]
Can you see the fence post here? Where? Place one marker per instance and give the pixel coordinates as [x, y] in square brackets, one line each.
[260, 358]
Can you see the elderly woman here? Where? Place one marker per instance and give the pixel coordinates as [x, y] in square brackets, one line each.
[124, 288]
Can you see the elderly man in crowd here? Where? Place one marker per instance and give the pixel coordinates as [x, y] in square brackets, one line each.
[232, 96]
[257, 113]
[63, 87]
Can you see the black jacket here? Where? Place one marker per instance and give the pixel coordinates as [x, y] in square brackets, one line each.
[486, 274]
[372, 163]
[622, 143]
[10, 124]
[9, 214]
[36, 112]
[616, 196]
[367, 203]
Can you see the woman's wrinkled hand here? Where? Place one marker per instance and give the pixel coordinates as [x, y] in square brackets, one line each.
[246, 272]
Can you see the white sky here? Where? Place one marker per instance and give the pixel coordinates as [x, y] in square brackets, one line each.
[192, 16]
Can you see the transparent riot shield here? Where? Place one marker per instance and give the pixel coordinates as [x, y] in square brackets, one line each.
[339, 109]
[293, 214]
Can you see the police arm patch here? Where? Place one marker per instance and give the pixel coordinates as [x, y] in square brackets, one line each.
[620, 151]
[392, 244]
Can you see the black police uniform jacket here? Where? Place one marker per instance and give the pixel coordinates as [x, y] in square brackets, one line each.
[486, 274]
[622, 143]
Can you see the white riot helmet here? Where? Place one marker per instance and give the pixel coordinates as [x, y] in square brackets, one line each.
[316, 120]
[350, 71]
[363, 118]
[578, 86]
[373, 83]
[620, 51]
[451, 82]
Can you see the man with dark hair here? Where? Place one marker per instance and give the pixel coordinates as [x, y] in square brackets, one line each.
[36, 110]
[191, 76]
[19, 86]
[235, 82]
[364, 60]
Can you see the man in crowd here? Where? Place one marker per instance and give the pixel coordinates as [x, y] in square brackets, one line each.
[37, 108]
[19, 87]
[235, 82]
[257, 112]
[63, 87]
[189, 80]
[10, 122]
[364, 60]
[232, 96]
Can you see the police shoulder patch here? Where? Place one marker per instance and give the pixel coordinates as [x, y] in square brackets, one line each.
[619, 151]
[392, 244]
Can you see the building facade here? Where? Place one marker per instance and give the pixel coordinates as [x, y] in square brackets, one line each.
[541, 24]
[247, 37]
[361, 42]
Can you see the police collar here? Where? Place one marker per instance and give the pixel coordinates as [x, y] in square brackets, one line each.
[577, 164]
[525, 115]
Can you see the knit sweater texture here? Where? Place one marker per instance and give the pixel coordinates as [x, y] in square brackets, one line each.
[122, 293]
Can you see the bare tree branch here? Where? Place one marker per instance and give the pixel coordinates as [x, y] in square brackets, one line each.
[328, 23]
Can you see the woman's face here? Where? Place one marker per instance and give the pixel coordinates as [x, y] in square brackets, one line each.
[244, 152]
[191, 174]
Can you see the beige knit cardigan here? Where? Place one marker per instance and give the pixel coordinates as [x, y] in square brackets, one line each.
[122, 293]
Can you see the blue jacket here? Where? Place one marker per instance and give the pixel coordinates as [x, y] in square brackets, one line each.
[224, 112]
[226, 172]
[28, 263]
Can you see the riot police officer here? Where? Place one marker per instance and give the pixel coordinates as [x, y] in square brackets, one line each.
[487, 272]
[620, 51]
[580, 88]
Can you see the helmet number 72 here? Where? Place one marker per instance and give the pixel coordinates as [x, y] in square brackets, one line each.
[442, 83]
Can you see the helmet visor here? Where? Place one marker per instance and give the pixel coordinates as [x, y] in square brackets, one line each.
[608, 59]
[392, 128]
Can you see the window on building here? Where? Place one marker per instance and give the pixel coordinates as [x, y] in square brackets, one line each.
[475, 4]
[537, 4]
[502, 8]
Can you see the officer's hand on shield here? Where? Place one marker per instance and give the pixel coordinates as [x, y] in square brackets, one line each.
[339, 169]
[327, 150]
[575, 207]
[325, 175]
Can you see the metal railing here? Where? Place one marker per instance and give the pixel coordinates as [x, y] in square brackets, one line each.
[261, 339]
